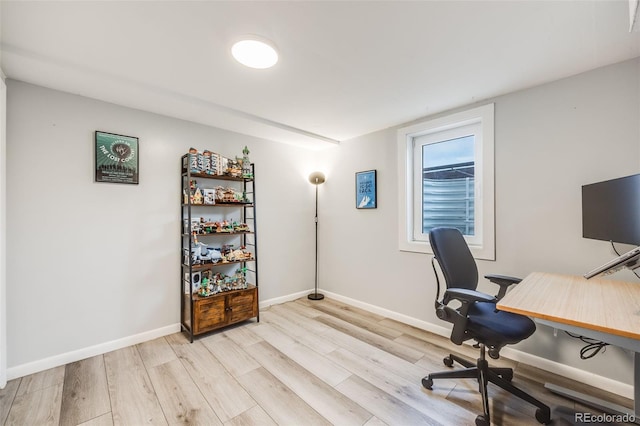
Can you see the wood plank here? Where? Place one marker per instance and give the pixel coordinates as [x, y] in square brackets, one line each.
[85, 393]
[432, 403]
[320, 366]
[417, 332]
[362, 319]
[38, 407]
[251, 417]
[180, 398]
[374, 421]
[7, 395]
[301, 322]
[372, 339]
[133, 400]
[371, 316]
[303, 309]
[384, 406]
[155, 352]
[41, 380]
[322, 397]
[382, 359]
[103, 420]
[230, 355]
[280, 402]
[195, 354]
[302, 335]
[223, 392]
[242, 334]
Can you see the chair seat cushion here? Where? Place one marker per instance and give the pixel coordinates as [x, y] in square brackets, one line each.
[497, 328]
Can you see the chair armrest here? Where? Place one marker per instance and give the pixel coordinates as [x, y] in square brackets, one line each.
[458, 317]
[466, 295]
[503, 281]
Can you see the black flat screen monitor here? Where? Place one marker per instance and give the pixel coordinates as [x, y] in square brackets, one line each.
[611, 210]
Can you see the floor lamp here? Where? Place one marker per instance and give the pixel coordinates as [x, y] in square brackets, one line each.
[316, 178]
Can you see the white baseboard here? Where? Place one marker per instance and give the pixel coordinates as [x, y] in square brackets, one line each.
[278, 300]
[424, 325]
[84, 353]
[553, 367]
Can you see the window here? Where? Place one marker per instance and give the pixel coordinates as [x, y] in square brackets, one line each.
[446, 179]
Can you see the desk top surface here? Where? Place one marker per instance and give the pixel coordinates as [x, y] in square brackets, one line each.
[597, 304]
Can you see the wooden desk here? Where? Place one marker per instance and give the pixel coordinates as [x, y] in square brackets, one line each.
[598, 308]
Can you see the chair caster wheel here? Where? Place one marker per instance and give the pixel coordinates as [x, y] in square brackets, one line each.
[543, 416]
[482, 421]
[427, 383]
[448, 362]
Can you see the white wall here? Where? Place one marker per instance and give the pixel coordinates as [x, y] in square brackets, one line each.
[549, 141]
[92, 265]
[3, 231]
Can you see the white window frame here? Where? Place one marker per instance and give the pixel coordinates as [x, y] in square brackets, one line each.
[410, 237]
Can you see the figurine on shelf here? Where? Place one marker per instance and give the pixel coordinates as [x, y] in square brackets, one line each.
[207, 226]
[196, 227]
[214, 166]
[238, 255]
[240, 227]
[204, 284]
[241, 278]
[206, 156]
[239, 197]
[229, 195]
[193, 160]
[201, 253]
[233, 168]
[226, 226]
[246, 164]
[209, 196]
[197, 197]
[219, 195]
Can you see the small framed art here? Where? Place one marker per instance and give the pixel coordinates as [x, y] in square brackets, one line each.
[366, 193]
[116, 158]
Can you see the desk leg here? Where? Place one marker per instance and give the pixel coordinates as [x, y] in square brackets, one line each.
[636, 385]
[605, 406]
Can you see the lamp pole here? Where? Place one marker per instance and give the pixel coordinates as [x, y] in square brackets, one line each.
[316, 178]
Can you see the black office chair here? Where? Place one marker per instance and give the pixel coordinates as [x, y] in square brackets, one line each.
[477, 318]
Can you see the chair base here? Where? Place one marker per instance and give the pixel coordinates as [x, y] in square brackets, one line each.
[484, 374]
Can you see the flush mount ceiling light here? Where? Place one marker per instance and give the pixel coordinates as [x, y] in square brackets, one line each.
[255, 53]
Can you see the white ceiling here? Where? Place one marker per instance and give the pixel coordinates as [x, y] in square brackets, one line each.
[345, 69]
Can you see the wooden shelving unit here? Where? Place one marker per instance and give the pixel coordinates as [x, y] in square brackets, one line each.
[202, 314]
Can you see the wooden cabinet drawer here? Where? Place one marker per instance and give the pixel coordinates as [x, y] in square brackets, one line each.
[243, 305]
[209, 314]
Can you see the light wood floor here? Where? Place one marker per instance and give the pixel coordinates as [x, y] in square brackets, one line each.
[305, 363]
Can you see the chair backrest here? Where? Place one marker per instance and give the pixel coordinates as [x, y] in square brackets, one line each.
[454, 257]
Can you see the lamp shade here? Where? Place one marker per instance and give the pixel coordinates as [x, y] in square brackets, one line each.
[316, 178]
